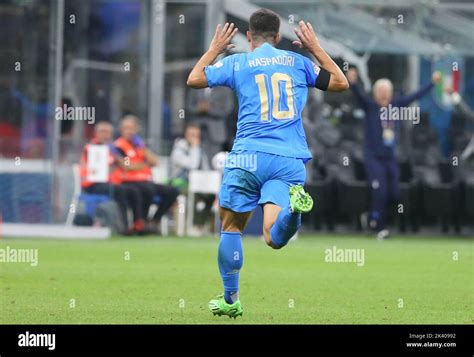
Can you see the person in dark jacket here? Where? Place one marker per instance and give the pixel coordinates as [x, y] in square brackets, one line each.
[383, 113]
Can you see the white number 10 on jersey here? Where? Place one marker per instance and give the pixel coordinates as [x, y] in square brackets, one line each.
[276, 113]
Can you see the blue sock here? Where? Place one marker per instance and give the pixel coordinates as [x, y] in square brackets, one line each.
[230, 260]
[285, 227]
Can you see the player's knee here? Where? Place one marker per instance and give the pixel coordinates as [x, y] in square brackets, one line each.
[231, 223]
[268, 240]
[267, 227]
[231, 227]
[276, 246]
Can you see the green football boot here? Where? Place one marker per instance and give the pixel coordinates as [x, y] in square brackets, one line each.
[300, 201]
[219, 307]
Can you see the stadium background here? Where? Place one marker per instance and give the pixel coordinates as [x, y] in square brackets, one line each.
[134, 56]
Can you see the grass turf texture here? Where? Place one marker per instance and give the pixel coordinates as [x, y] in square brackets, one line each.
[170, 280]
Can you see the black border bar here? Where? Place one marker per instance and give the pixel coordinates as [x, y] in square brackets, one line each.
[226, 339]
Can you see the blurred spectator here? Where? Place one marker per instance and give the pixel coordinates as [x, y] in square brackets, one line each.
[213, 110]
[124, 196]
[187, 155]
[380, 143]
[135, 172]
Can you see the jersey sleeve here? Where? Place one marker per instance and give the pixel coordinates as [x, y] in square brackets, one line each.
[221, 73]
[311, 70]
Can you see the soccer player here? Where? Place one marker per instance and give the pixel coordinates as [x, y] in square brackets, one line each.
[267, 163]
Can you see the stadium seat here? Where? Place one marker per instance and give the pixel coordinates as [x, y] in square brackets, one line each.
[322, 188]
[468, 195]
[353, 190]
[201, 181]
[458, 133]
[91, 201]
[465, 210]
[410, 197]
[161, 175]
[441, 195]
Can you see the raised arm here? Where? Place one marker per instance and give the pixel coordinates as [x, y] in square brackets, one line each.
[424, 90]
[307, 39]
[359, 93]
[219, 44]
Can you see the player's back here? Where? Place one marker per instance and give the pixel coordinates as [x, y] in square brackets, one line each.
[272, 87]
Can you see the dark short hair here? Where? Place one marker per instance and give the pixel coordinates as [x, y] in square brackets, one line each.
[264, 23]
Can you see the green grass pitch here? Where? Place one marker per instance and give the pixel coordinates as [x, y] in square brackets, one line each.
[418, 280]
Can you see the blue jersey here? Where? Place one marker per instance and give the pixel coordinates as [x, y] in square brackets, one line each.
[272, 88]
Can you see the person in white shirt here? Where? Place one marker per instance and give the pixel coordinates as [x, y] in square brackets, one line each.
[187, 155]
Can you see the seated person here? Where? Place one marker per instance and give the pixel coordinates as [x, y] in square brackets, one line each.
[187, 155]
[135, 171]
[123, 195]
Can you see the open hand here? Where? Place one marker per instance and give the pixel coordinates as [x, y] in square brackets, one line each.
[221, 41]
[436, 77]
[306, 36]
